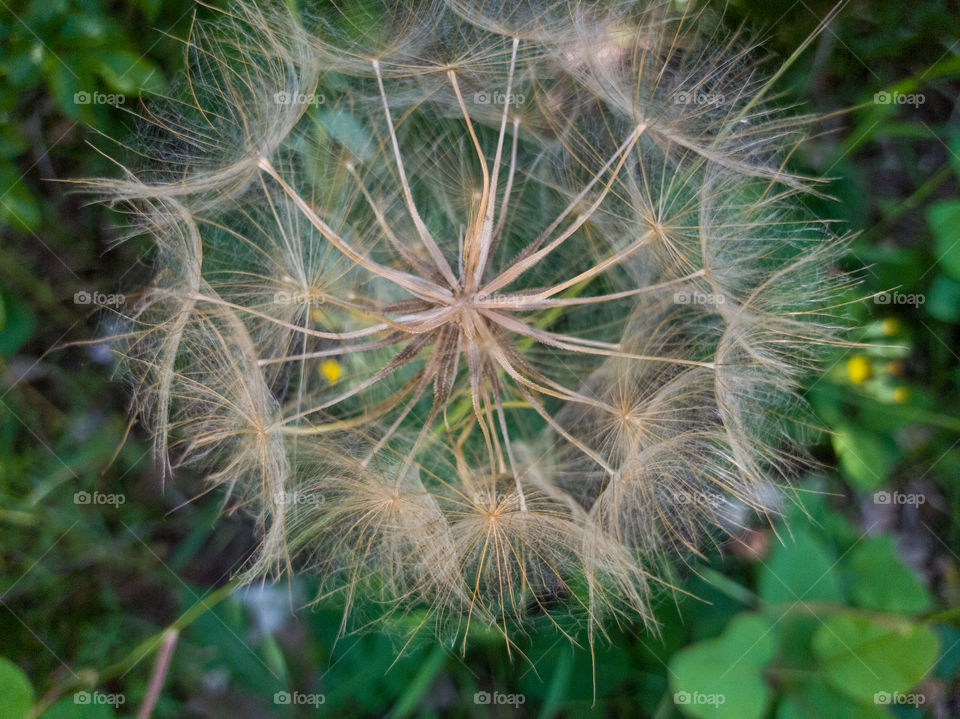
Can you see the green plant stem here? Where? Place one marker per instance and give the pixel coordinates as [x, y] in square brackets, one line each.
[946, 615]
[91, 677]
[921, 194]
[149, 645]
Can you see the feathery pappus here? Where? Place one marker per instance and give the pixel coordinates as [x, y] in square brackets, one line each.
[486, 308]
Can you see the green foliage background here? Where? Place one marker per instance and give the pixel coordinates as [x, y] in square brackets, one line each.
[852, 602]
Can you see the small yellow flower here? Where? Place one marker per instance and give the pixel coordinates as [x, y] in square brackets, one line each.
[331, 370]
[859, 369]
[890, 326]
[901, 394]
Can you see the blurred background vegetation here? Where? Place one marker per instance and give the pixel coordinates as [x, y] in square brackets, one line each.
[849, 609]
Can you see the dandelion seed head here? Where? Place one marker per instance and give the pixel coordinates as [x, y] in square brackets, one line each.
[483, 308]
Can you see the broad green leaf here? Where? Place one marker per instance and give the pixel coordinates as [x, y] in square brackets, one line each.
[24, 66]
[948, 664]
[865, 457]
[41, 13]
[881, 581]
[16, 694]
[67, 86]
[943, 299]
[801, 569]
[12, 141]
[862, 657]
[723, 678]
[71, 708]
[150, 8]
[816, 699]
[796, 629]
[129, 72]
[944, 220]
[82, 29]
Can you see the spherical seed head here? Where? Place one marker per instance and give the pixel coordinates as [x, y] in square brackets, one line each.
[481, 308]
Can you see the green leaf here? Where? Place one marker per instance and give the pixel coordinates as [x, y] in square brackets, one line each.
[17, 326]
[865, 457]
[954, 144]
[723, 678]
[16, 694]
[944, 220]
[23, 68]
[40, 14]
[12, 141]
[863, 657]
[948, 665]
[66, 85]
[943, 299]
[128, 72]
[221, 628]
[559, 684]
[86, 29]
[419, 684]
[817, 699]
[70, 709]
[18, 206]
[880, 581]
[801, 569]
[273, 655]
[151, 8]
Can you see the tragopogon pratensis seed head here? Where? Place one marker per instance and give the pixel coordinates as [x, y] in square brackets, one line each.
[483, 307]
